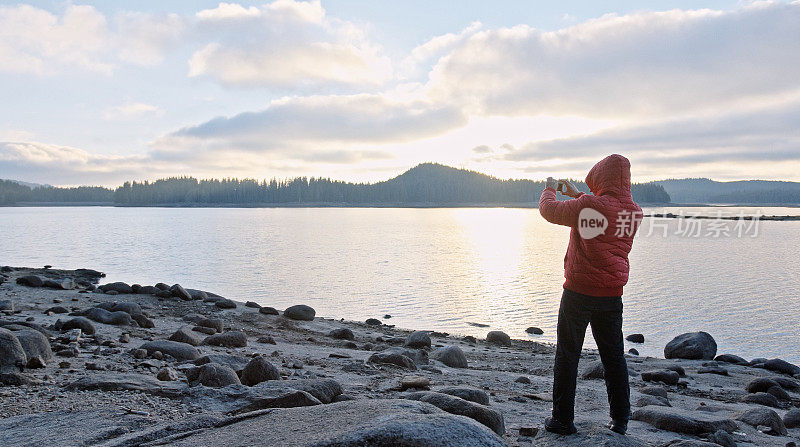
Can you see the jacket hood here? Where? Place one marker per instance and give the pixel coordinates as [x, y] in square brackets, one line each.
[610, 176]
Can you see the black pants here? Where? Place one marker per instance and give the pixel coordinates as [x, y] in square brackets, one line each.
[605, 315]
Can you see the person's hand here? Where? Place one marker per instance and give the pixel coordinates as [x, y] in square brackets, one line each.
[551, 183]
[569, 188]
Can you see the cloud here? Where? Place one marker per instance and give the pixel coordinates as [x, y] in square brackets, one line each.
[647, 64]
[297, 127]
[482, 149]
[286, 44]
[131, 110]
[33, 40]
[41, 162]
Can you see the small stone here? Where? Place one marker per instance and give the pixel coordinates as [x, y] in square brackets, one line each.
[158, 355]
[387, 316]
[418, 339]
[760, 385]
[342, 334]
[451, 356]
[125, 338]
[534, 330]
[764, 417]
[259, 370]
[635, 338]
[528, 431]
[64, 365]
[186, 335]
[418, 382]
[252, 304]
[205, 330]
[266, 339]
[224, 303]
[633, 351]
[373, 322]
[230, 339]
[140, 353]
[665, 376]
[35, 362]
[691, 346]
[718, 370]
[792, 418]
[762, 399]
[523, 379]
[216, 375]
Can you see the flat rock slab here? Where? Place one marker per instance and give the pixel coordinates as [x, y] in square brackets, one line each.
[129, 382]
[683, 421]
[378, 423]
[589, 435]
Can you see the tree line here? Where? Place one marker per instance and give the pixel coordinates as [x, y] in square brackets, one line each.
[425, 184]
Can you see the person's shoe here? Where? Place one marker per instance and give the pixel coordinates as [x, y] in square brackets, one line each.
[553, 425]
[616, 426]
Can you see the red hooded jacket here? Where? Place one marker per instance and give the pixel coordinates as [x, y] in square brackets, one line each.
[597, 265]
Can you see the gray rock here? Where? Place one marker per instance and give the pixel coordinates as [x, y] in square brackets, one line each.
[252, 304]
[130, 308]
[589, 434]
[224, 303]
[266, 310]
[652, 400]
[534, 330]
[101, 315]
[216, 375]
[57, 310]
[498, 338]
[128, 382]
[197, 294]
[342, 334]
[665, 376]
[419, 356]
[392, 359]
[466, 393]
[179, 292]
[523, 379]
[635, 338]
[761, 399]
[324, 390]
[230, 339]
[35, 344]
[119, 287]
[723, 438]
[205, 330]
[35, 362]
[81, 323]
[167, 375]
[234, 362]
[730, 358]
[60, 284]
[259, 370]
[30, 281]
[779, 393]
[180, 351]
[143, 321]
[418, 339]
[148, 290]
[455, 405]
[14, 378]
[765, 417]
[654, 391]
[186, 335]
[373, 322]
[364, 422]
[215, 323]
[691, 346]
[12, 354]
[451, 356]
[236, 399]
[718, 370]
[7, 305]
[760, 385]
[300, 312]
[782, 366]
[593, 370]
[684, 421]
[792, 418]
[787, 383]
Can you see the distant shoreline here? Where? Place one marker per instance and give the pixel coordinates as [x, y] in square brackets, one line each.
[369, 205]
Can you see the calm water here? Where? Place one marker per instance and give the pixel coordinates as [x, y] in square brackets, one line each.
[433, 268]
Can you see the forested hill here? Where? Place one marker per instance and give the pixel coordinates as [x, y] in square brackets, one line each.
[703, 190]
[427, 183]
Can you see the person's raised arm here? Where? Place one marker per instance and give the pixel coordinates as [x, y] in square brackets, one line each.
[561, 213]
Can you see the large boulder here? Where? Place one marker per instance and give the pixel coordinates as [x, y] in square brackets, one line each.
[259, 370]
[451, 356]
[101, 315]
[683, 421]
[178, 350]
[418, 339]
[498, 338]
[230, 339]
[179, 292]
[364, 422]
[12, 354]
[128, 382]
[691, 346]
[765, 417]
[35, 344]
[216, 375]
[792, 418]
[760, 385]
[30, 281]
[81, 323]
[456, 405]
[300, 312]
[186, 335]
[782, 366]
[119, 287]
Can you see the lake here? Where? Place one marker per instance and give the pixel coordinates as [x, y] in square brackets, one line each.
[440, 269]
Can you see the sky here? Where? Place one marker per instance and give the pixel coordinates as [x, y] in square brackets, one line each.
[362, 90]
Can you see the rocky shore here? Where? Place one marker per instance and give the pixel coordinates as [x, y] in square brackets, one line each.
[115, 364]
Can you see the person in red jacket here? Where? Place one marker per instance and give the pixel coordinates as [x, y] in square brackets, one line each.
[596, 268]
